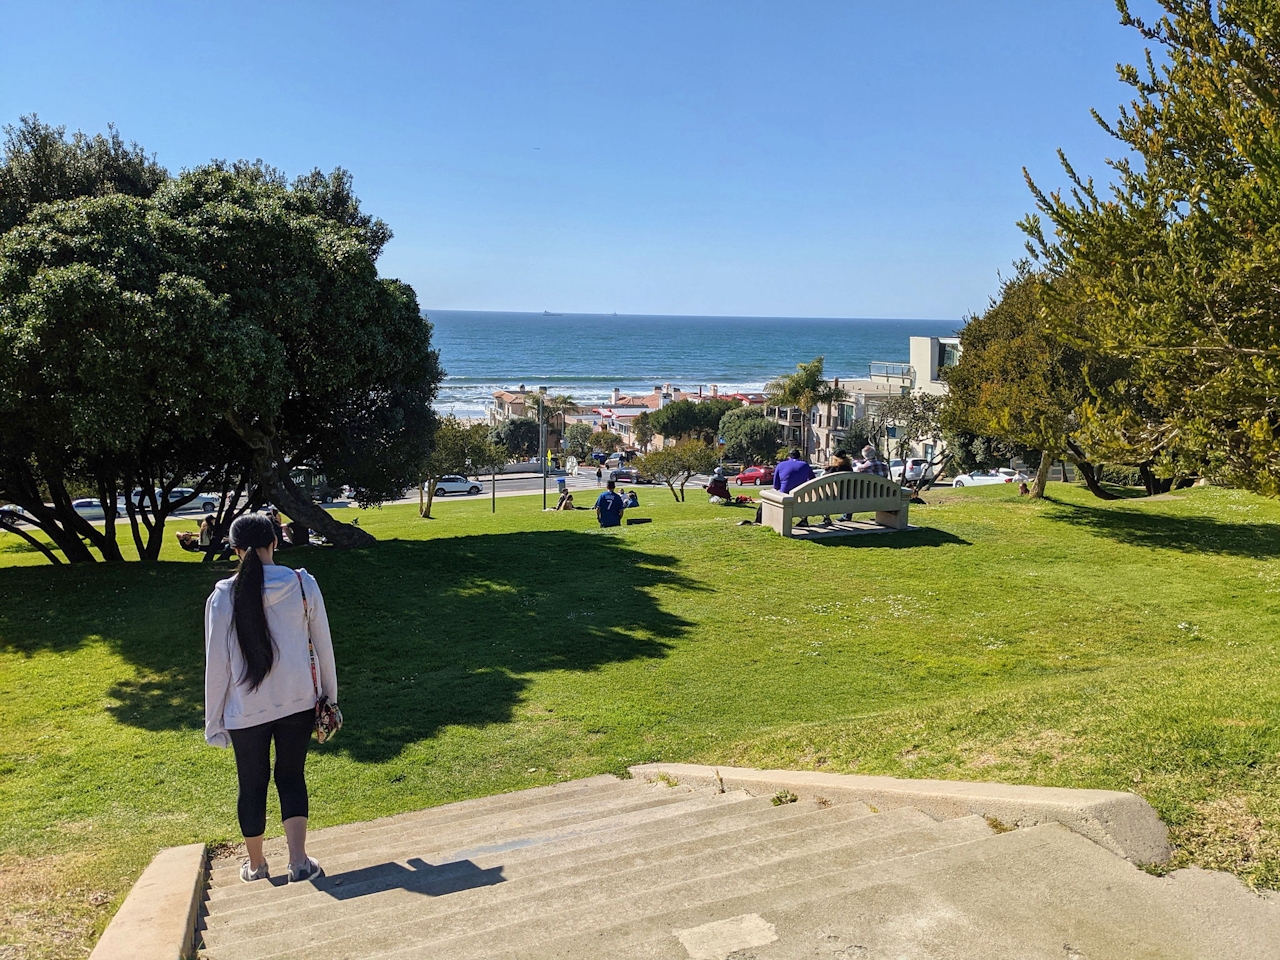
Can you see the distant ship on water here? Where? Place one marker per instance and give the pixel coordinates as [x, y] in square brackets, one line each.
[548, 313]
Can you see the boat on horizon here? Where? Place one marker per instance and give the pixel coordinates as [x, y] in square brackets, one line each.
[548, 313]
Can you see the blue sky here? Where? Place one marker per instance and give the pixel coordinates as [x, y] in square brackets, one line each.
[841, 159]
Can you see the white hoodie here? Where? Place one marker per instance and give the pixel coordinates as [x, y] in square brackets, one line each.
[287, 688]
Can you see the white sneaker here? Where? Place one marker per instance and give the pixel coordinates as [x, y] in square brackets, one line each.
[248, 875]
[308, 871]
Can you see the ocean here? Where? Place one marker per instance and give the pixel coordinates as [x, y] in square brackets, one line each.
[587, 355]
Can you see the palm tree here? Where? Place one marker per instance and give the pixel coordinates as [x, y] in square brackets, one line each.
[549, 409]
[805, 389]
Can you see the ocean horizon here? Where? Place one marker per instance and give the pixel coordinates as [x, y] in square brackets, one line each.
[587, 355]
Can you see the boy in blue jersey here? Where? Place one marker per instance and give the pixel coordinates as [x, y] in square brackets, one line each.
[609, 507]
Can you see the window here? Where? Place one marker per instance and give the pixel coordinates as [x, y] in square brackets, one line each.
[948, 355]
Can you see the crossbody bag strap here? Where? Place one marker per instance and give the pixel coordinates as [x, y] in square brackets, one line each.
[306, 622]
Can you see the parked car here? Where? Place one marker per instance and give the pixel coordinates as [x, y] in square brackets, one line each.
[914, 467]
[89, 507]
[982, 477]
[755, 475]
[456, 484]
[205, 503]
[626, 475]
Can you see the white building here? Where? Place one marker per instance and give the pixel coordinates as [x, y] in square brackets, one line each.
[829, 428]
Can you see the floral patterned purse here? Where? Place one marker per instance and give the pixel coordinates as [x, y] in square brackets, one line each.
[328, 716]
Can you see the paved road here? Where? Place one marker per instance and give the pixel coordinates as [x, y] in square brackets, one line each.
[520, 485]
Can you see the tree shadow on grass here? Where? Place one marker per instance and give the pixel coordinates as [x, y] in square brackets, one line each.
[1196, 534]
[897, 540]
[426, 633]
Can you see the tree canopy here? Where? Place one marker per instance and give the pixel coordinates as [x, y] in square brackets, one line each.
[521, 436]
[749, 435]
[224, 329]
[690, 420]
[806, 389]
[1178, 261]
[677, 464]
[1018, 382]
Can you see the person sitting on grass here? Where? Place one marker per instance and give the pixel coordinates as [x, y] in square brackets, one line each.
[566, 501]
[633, 499]
[609, 507]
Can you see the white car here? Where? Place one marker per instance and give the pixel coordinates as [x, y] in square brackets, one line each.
[205, 503]
[89, 507]
[914, 466]
[455, 484]
[980, 477]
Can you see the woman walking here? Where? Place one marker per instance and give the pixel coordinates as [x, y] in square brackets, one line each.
[261, 685]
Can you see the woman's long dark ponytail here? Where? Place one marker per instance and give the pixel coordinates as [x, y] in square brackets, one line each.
[248, 533]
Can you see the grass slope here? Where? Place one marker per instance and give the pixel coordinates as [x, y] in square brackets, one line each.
[1124, 645]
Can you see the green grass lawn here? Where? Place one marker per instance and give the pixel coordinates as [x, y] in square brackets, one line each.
[1126, 645]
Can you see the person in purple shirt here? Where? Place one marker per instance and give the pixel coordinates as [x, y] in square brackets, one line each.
[790, 473]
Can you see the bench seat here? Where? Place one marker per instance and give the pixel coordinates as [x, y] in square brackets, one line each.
[834, 494]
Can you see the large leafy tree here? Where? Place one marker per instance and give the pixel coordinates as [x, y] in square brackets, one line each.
[678, 464]
[111, 361]
[521, 436]
[223, 329]
[1018, 382]
[690, 420]
[348, 373]
[467, 449]
[40, 165]
[806, 389]
[749, 435]
[1179, 260]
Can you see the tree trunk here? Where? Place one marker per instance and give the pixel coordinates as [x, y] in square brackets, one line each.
[11, 526]
[22, 486]
[272, 474]
[1153, 484]
[1091, 481]
[76, 525]
[1042, 475]
[424, 511]
[285, 493]
[671, 485]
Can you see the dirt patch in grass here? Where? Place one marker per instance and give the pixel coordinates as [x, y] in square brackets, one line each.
[1227, 833]
[49, 910]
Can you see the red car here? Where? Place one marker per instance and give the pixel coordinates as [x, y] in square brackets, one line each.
[761, 476]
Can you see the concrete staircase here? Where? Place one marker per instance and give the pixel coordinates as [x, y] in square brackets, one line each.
[605, 868]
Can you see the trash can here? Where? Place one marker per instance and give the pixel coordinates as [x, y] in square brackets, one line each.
[560, 484]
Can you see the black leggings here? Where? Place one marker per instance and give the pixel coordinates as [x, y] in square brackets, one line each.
[253, 768]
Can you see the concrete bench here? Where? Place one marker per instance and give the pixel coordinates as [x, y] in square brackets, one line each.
[835, 494]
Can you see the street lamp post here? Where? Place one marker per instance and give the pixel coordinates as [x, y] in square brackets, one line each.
[542, 441]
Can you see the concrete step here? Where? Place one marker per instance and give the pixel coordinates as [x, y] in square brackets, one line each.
[1031, 893]
[525, 932]
[472, 831]
[398, 890]
[1042, 893]
[533, 912]
[544, 803]
[701, 813]
[632, 870]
